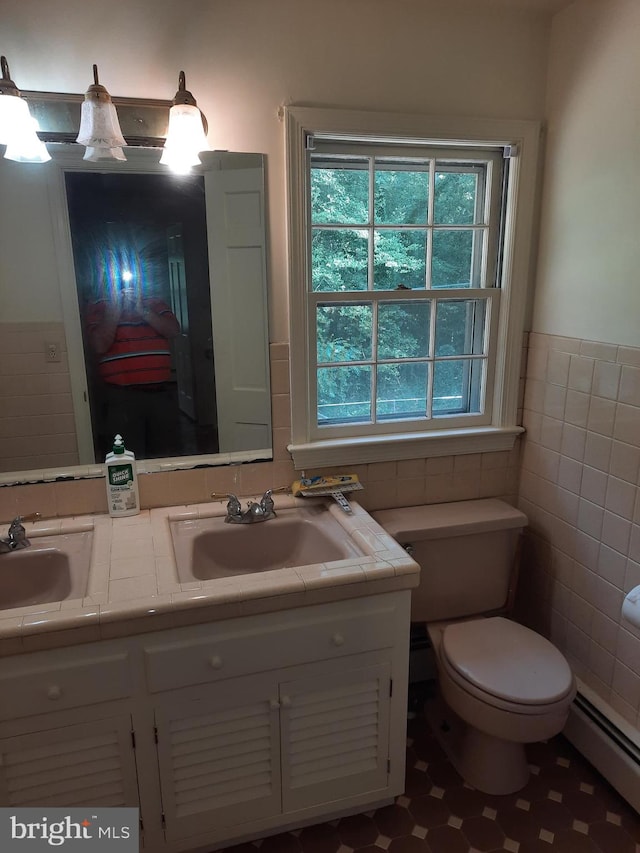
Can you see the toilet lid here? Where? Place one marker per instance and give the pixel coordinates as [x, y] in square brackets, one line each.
[507, 660]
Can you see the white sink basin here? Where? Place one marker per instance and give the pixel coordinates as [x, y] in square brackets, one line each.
[52, 568]
[209, 548]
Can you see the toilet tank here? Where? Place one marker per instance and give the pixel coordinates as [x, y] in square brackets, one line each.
[466, 554]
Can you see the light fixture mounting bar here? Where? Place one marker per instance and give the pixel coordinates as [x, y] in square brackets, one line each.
[143, 121]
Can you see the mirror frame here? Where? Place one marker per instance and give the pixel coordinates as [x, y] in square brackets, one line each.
[141, 159]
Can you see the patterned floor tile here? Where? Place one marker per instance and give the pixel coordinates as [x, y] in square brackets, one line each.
[357, 831]
[394, 821]
[585, 807]
[483, 833]
[321, 838]
[429, 811]
[464, 802]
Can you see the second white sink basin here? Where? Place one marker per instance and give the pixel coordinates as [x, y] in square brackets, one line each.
[209, 548]
[52, 568]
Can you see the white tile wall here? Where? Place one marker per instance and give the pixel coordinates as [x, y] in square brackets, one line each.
[37, 428]
[579, 487]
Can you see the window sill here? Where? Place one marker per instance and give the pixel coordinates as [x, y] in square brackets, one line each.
[388, 448]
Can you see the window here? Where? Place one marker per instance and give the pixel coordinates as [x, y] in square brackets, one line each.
[402, 287]
[403, 253]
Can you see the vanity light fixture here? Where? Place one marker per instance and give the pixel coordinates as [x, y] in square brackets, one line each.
[17, 125]
[187, 132]
[99, 125]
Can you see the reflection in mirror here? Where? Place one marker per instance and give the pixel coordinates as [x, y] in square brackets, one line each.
[143, 294]
[157, 325]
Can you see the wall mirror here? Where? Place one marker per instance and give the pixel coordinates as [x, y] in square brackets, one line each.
[78, 236]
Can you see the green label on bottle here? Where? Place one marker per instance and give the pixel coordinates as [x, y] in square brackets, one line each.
[120, 475]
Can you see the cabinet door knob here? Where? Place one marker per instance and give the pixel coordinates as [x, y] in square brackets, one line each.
[274, 704]
[337, 639]
[286, 701]
[215, 662]
[54, 692]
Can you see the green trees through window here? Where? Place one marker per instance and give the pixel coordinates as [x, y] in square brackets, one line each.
[394, 237]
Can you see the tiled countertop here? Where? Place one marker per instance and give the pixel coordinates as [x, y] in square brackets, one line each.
[133, 583]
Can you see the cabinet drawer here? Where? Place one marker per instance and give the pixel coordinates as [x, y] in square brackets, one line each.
[245, 646]
[28, 688]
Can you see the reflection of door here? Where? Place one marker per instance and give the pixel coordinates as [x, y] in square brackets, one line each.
[180, 307]
[235, 207]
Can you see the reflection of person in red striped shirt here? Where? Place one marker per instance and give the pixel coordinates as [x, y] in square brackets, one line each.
[130, 336]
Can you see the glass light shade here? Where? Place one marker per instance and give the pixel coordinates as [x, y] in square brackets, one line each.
[185, 138]
[14, 117]
[100, 130]
[179, 161]
[94, 154]
[24, 146]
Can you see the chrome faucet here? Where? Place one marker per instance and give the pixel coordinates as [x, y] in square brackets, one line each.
[254, 512]
[17, 536]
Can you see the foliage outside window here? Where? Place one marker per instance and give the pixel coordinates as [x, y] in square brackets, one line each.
[409, 226]
[406, 251]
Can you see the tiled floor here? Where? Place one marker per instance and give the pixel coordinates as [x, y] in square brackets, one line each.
[566, 807]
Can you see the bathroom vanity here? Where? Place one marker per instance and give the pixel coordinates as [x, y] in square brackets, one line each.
[230, 709]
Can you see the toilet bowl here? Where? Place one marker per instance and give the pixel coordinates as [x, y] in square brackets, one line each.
[506, 686]
[501, 685]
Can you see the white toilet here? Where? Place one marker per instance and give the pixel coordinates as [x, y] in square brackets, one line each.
[501, 685]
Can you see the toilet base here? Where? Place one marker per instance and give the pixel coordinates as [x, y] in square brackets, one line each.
[490, 764]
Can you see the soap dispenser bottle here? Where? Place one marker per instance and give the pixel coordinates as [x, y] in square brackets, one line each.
[122, 480]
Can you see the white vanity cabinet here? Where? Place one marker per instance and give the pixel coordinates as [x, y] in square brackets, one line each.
[335, 733]
[89, 762]
[219, 756]
[245, 726]
[262, 748]
[274, 720]
[66, 729]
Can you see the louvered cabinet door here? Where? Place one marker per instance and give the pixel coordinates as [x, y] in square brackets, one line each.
[335, 736]
[85, 764]
[219, 757]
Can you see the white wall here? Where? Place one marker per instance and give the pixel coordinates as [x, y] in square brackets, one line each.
[588, 271]
[244, 58]
[27, 256]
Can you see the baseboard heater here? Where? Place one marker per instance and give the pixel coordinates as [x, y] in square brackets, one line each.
[597, 732]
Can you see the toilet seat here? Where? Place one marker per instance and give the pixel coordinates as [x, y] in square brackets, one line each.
[506, 665]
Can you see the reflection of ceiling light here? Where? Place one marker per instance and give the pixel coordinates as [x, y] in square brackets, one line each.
[127, 276]
[99, 125]
[187, 135]
[17, 126]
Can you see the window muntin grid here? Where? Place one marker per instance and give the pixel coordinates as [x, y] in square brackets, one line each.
[446, 243]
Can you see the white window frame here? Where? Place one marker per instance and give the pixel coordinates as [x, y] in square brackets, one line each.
[520, 140]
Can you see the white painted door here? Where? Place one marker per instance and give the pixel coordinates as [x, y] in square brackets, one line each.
[335, 735]
[84, 764]
[219, 757]
[237, 274]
